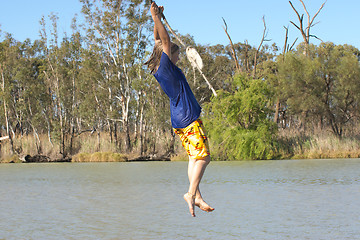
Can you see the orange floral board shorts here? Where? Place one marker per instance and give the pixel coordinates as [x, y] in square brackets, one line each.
[194, 140]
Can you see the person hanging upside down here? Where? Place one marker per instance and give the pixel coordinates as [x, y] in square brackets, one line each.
[184, 108]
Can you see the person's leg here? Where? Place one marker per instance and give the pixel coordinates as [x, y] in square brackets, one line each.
[188, 197]
[195, 143]
[196, 170]
[199, 201]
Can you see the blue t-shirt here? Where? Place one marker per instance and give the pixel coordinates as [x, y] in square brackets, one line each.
[184, 107]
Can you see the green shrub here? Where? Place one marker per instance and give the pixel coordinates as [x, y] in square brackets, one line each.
[239, 124]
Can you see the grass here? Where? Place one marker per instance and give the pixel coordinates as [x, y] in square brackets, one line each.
[181, 156]
[99, 157]
[91, 144]
[11, 159]
[88, 148]
[85, 145]
[318, 146]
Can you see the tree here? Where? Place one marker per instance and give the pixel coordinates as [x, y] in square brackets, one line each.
[324, 86]
[61, 68]
[238, 122]
[31, 92]
[116, 30]
[7, 62]
[305, 33]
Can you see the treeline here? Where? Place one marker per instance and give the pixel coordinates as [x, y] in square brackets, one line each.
[90, 92]
[302, 105]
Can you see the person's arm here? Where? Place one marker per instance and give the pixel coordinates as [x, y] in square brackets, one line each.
[156, 35]
[160, 32]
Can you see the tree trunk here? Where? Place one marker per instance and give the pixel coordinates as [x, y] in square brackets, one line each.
[237, 65]
[125, 121]
[126, 132]
[110, 131]
[99, 140]
[172, 143]
[141, 130]
[6, 115]
[72, 137]
[37, 140]
[115, 134]
[143, 139]
[277, 107]
[62, 136]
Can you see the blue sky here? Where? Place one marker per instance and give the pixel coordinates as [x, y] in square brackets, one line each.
[203, 19]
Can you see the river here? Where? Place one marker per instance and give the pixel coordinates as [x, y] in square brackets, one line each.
[295, 199]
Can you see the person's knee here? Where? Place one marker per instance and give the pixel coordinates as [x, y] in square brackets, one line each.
[206, 159]
[192, 160]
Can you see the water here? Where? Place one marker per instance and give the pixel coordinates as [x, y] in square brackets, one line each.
[306, 199]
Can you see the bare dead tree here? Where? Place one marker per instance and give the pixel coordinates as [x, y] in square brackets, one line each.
[232, 47]
[263, 39]
[287, 47]
[305, 32]
[286, 40]
[246, 56]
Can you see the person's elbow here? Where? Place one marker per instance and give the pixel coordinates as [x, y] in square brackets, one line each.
[166, 40]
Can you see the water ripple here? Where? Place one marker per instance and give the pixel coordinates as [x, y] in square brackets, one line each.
[315, 199]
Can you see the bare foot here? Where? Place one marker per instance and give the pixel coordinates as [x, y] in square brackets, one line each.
[190, 199]
[200, 203]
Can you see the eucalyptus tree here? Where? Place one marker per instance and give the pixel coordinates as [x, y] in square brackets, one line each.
[323, 86]
[72, 48]
[117, 31]
[8, 55]
[62, 61]
[30, 91]
[91, 108]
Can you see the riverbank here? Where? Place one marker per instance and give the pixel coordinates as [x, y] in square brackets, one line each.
[116, 157]
[317, 146]
[288, 146]
[84, 157]
[85, 148]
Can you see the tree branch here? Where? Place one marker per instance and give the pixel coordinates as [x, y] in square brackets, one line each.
[232, 47]
[286, 40]
[295, 25]
[316, 38]
[258, 49]
[322, 6]
[293, 44]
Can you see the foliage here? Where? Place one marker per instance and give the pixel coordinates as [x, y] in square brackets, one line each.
[323, 87]
[12, 159]
[238, 121]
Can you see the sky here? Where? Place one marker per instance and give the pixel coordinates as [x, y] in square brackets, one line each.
[202, 19]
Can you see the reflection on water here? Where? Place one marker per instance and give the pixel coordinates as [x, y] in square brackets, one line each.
[306, 199]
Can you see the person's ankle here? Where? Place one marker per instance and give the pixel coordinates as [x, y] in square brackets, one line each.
[191, 195]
